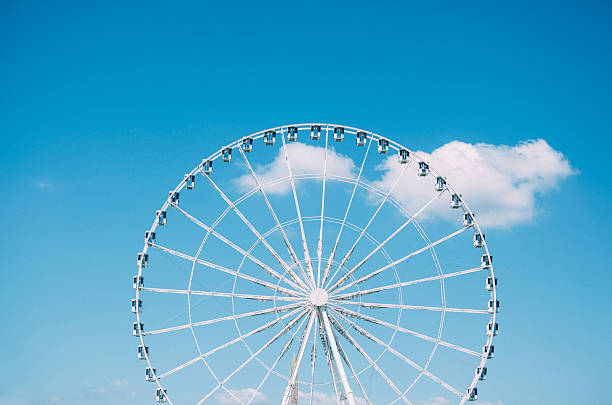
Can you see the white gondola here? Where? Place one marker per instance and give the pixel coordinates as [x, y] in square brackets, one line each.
[488, 351]
[485, 261]
[455, 201]
[150, 374]
[269, 137]
[160, 395]
[247, 144]
[338, 134]
[149, 237]
[423, 169]
[143, 260]
[207, 166]
[292, 134]
[472, 394]
[491, 283]
[492, 329]
[440, 183]
[478, 240]
[173, 197]
[493, 306]
[138, 329]
[137, 282]
[226, 155]
[402, 156]
[468, 219]
[136, 306]
[361, 138]
[143, 352]
[189, 181]
[315, 132]
[161, 217]
[383, 146]
[481, 373]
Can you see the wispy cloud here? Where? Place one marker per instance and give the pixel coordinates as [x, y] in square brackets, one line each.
[433, 401]
[244, 395]
[322, 398]
[44, 185]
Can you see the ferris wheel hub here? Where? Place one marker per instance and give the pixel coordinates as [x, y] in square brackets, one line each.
[318, 297]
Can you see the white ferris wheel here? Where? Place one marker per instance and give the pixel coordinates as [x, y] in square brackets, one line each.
[299, 271]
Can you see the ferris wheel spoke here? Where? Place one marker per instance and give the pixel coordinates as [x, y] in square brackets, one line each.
[256, 233]
[380, 322]
[329, 358]
[273, 213]
[313, 355]
[292, 383]
[362, 351]
[280, 356]
[284, 330]
[283, 308]
[255, 280]
[380, 245]
[320, 243]
[398, 261]
[223, 239]
[333, 253]
[417, 307]
[399, 355]
[223, 294]
[299, 214]
[363, 231]
[402, 284]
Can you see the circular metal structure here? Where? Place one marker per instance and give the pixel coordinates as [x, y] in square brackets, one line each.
[299, 271]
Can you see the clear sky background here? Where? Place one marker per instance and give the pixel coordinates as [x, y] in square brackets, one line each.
[104, 106]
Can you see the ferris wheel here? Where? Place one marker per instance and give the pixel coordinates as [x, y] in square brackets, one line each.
[299, 270]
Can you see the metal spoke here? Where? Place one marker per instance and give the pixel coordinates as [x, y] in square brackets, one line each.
[422, 370]
[403, 284]
[292, 383]
[333, 253]
[361, 351]
[299, 214]
[283, 308]
[264, 266]
[313, 356]
[223, 294]
[257, 234]
[284, 330]
[363, 231]
[398, 261]
[379, 246]
[377, 321]
[401, 306]
[320, 243]
[273, 213]
[255, 280]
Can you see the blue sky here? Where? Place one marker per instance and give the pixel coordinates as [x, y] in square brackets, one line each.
[104, 107]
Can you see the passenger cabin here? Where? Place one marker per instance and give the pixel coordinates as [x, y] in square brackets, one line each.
[468, 219]
[149, 237]
[315, 132]
[455, 201]
[493, 306]
[143, 260]
[383, 146]
[269, 137]
[174, 197]
[485, 261]
[361, 138]
[478, 240]
[402, 156]
[492, 329]
[150, 374]
[160, 395]
[491, 283]
[138, 329]
[247, 144]
[161, 217]
[226, 154]
[189, 181]
[423, 169]
[207, 166]
[136, 306]
[472, 394]
[292, 133]
[137, 282]
[440, 183]
[481, 373]
[143, 352]
[338, 134]
[488, 351]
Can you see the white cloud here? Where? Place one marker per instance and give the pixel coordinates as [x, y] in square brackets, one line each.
[119, 383]
[304, 159]
[499, 182]
[244, 395]
[489, 403]
[322, 398]
[433, 401]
